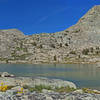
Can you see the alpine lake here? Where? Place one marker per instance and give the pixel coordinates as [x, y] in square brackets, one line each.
[83, 75]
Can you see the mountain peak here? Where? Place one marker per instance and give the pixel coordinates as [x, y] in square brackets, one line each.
[15, 32]
[96, 8]
[92, 13]
[89, 22]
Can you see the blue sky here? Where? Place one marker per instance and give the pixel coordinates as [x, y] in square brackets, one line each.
[37, 16]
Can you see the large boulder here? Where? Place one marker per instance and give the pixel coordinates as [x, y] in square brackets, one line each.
[6, 74]
[53, 83]
[32, 82]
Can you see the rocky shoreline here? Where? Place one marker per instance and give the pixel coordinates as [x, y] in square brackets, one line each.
[89, 61]
[40, 88]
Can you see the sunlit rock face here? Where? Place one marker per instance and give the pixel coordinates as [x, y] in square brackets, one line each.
[79, 43]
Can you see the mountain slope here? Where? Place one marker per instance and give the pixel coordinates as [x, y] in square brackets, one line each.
[88, 28]
[77, 44]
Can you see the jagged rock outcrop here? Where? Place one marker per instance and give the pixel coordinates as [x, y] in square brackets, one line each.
[77, 44]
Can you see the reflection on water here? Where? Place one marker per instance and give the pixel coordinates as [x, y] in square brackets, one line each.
[84, 75]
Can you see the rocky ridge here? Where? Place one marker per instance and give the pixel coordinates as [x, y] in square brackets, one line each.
[77, 44]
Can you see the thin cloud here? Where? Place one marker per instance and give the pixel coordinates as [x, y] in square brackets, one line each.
[44, 18]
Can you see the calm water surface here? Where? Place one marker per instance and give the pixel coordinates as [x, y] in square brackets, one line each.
[83, 75]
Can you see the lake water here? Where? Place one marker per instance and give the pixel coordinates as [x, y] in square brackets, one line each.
[83, 75]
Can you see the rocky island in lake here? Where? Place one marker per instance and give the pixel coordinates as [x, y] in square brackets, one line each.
[77, 44]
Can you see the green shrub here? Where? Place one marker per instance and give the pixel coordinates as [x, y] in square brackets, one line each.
[25, 50]
[18, 48]
[60, 44]
[64, 89]
[97, 48]
[91, 49]
[66, 44]
[72, 52]
[52, 45]
[79, 56]
[34, 44]
[37, 88]
[76, 31]
[55, 58]
[66, 31]
[21, 44]
[25, 86]
[97, 52]
[85, 51]
[40, 46]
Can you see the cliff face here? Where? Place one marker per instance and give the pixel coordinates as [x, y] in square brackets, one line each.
[79, 43]
[88, 28]
[8, 41]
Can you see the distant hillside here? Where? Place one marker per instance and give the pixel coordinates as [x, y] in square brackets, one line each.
[77, 44]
